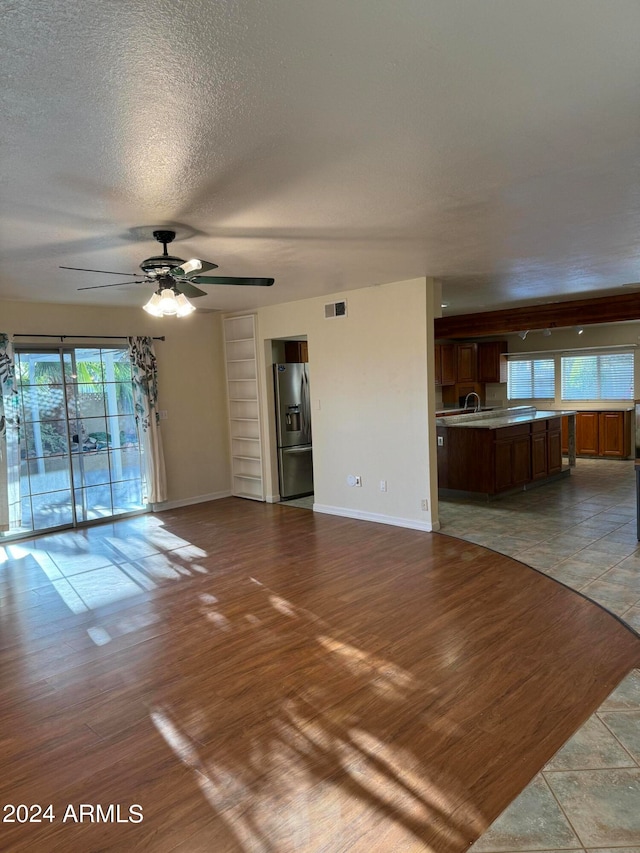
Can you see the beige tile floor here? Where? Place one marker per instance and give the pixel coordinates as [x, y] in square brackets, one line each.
[581, 531]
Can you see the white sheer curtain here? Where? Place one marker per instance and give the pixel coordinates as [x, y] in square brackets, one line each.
[144, 375]
[9, 440]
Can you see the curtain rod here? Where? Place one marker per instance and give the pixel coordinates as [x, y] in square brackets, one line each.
[85, 337]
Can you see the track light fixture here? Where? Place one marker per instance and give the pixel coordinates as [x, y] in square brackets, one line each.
[547, 333]
[523, 335]
[580, 331]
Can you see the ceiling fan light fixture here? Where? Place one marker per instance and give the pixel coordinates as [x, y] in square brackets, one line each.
[153, 306]
[184, 306]
[168, 303]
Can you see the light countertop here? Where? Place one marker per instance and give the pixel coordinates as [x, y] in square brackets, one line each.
[500, 417]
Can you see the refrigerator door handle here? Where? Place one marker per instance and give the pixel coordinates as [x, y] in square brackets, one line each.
[305, 449]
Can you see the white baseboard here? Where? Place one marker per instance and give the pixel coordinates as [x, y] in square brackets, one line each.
[199, 499]
[272, 499]
[377, 517]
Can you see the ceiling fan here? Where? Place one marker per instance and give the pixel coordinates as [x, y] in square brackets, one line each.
[175, 279]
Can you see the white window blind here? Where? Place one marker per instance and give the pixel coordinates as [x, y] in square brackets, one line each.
[597, 376]
[531, 379]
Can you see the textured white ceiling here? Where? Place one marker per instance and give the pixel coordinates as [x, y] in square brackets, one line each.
[492, 144]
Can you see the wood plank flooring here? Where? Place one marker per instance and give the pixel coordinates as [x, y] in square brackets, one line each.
[267, 679]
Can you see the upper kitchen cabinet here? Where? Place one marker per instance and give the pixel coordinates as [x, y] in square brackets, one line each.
[492, 361]
[296, 352]
[467, 362]
[445, 364]
[465, 367]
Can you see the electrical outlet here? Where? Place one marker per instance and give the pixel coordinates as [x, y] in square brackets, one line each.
[440, 441]
[383, 485]
[358, 480]
[425, 505]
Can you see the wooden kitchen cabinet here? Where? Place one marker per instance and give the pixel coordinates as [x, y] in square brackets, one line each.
[467, 362]
[554, 446]
[587, 433]
[296, 351]
[490, 461]
[546, 448]
[512, 448]
[445, 358]
[465, 367]
[539, 455]
[613, 438]
[492, 361]
[605, 434]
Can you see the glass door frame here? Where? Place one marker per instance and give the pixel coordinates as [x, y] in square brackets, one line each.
[60, 351]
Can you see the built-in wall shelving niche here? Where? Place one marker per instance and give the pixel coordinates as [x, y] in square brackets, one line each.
[244, 407]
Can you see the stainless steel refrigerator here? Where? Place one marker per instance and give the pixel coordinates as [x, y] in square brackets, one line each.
[293, 429]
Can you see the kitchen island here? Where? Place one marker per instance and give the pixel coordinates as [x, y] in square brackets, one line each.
[488, 453]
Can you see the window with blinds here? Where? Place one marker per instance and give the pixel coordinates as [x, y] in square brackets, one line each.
[597, 376]
[531, 379]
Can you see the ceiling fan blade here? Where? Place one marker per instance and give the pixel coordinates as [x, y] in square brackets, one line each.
[189, 290]
[221, 279]
[119, 284]
[106, 272]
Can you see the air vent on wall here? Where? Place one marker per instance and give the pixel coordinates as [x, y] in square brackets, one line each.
[335, 309]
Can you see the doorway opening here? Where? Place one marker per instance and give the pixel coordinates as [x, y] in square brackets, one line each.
[79, 449]
[292, 399]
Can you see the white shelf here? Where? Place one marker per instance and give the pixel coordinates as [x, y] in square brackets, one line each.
[244, 406]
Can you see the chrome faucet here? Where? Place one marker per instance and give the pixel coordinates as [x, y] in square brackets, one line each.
[472, 394]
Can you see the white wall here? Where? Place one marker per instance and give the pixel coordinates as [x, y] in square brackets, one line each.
[191, 382]
[372, 380]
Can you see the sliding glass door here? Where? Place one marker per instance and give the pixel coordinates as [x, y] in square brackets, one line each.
[79, 447]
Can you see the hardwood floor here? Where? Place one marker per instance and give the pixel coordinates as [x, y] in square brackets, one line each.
[261, 678]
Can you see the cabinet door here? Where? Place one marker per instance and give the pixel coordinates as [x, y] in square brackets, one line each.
[521, 460]
[565, 434]
[437, 350]
[554, 447]
[587, 434]
[539, 454]
[504, 465]
[447, 364]
[295, 352]
[492, 364]
[611, 434]
[467, 362]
